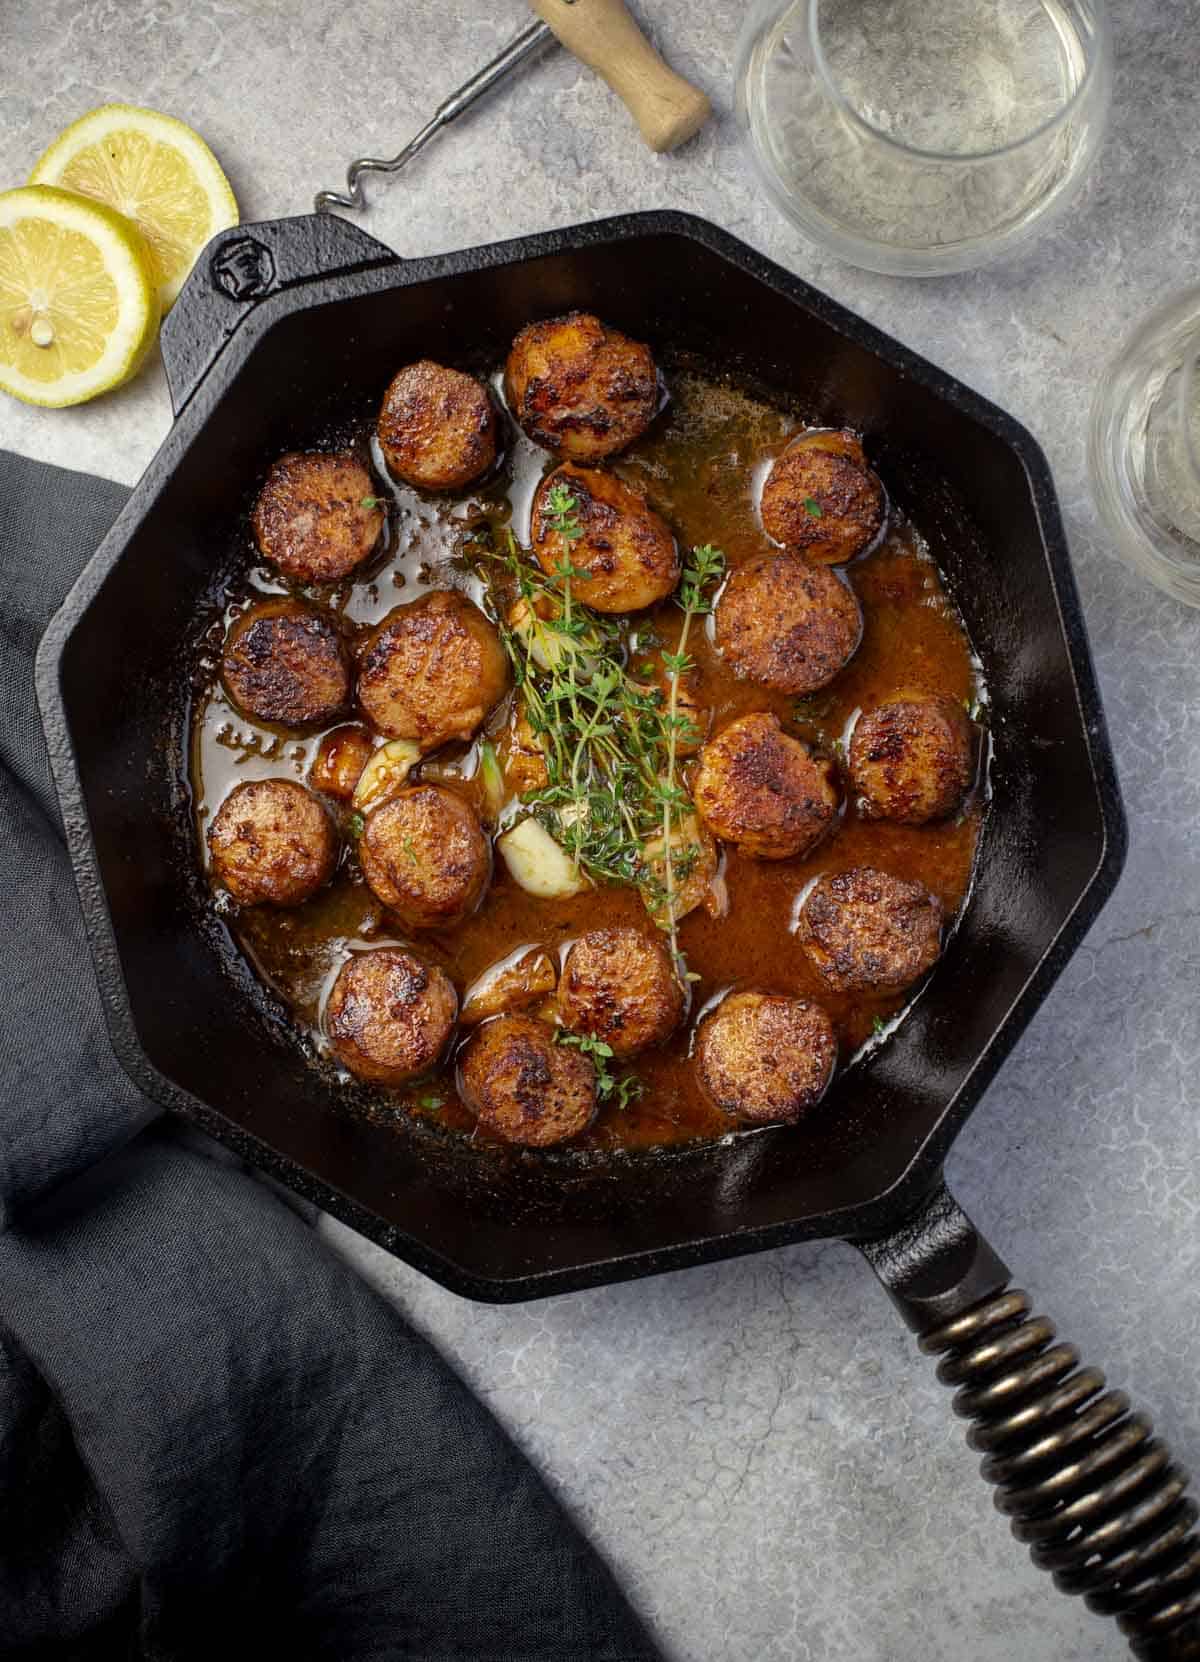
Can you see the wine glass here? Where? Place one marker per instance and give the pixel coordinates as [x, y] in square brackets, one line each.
[1144, 447]
[923, 136]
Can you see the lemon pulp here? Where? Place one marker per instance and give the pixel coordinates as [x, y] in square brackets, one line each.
[155, 171]
[78, 306]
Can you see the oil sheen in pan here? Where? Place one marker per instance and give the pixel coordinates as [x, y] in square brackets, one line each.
[699, 465]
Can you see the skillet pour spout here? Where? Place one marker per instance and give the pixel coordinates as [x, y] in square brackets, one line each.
[282, 321]
[1091, 1491]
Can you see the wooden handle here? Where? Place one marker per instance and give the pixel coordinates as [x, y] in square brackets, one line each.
[603, 35]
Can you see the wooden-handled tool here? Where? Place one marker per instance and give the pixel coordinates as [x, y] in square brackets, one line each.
[603, 35]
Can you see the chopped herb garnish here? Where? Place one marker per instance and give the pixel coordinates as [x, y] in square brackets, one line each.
[372, 502]
[618, 1089]
[878, 1025]
[357, 825]
[409, 850]
[813, 508]
[814, 707]
[431, 1101]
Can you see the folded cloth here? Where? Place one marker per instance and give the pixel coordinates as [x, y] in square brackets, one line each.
[215, 1440]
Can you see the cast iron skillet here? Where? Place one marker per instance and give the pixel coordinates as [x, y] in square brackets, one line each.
[286, 328]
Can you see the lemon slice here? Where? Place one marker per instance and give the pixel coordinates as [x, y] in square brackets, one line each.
[78, 302]
[155, 171]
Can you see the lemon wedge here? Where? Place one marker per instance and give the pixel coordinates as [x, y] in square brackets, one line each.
[153, 169]
[78, 300]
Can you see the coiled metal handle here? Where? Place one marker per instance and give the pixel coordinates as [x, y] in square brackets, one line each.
[1090, 1490]
[528, 42]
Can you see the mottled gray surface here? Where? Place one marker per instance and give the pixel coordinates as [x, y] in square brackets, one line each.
[756, 1445]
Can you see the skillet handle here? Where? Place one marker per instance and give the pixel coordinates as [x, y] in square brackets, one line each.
[241, 267]
[1088, 1487]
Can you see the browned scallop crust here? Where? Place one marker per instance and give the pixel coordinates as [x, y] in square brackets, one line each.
[787, 624]
[912, 760]
[389, 1016]
[340, 759]
[432, 670]
[522, 1086]
[437, 427]
[311, 519]
[764, 1058]
[286, 664]
[579, 388]
[424, 855]
[271, 840]
[867, 931]
[619, 986]
[760, 788]
[627, 552]
[822, 499]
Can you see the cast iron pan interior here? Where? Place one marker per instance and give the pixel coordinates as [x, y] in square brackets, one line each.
[189, 1021]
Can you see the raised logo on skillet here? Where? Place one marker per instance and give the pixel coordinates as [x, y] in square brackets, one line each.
[243, 269]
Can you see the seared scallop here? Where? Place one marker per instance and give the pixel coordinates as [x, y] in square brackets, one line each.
[389, 1016]
[317, 516]
[579, 388]
[522, 1086]
[424, 855]
[285, 663]
[763, 790]
[764, 1058]
[822, 498]
[787, 624]
[432, 670]
[340, 759]
[912, 760]
[867, 931]
[619, 986]
[437, 427]
[271, 840]
[608, 532]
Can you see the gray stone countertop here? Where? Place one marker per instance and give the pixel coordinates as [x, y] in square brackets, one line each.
[756, 1445]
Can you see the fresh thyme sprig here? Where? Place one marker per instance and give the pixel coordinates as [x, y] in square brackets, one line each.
[596, 727]
[561, 515]
[701, 573]
[610, 742]
[618, 1089]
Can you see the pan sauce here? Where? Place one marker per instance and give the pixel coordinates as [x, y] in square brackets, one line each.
[701, 464]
